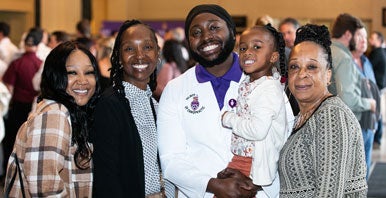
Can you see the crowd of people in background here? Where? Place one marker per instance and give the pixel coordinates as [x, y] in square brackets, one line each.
[201, 110]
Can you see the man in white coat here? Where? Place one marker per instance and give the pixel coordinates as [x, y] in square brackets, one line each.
[193, 145]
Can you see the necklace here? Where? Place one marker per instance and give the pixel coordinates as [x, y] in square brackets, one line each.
[303, 117]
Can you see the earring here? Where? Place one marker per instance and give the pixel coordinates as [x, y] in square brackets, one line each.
[275, 73]
[159, 60]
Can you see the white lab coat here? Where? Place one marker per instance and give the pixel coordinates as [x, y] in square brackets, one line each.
[193, 144]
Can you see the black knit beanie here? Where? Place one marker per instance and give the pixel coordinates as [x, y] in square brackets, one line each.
[213, 9]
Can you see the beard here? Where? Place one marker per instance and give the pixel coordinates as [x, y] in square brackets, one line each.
[228, 48]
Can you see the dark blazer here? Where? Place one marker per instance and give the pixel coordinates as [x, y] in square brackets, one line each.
[118, 155]
[377, 58]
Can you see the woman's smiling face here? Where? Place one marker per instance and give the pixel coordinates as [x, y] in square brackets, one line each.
[81, 77]
[308, 74]
[139, 55]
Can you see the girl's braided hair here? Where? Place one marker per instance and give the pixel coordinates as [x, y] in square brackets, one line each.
[318, 34]
[279, 46]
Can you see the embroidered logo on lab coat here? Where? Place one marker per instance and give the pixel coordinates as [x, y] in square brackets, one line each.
[194, 104]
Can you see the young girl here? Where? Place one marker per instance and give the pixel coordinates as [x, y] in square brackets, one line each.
[260, 122]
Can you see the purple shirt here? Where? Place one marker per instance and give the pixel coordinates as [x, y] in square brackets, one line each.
[221, 84]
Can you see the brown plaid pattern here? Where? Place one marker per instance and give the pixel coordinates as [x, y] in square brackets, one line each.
[46, 156]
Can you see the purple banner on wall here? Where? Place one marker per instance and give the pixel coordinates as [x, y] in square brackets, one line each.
[109, 27]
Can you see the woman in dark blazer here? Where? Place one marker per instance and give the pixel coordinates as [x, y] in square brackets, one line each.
[124, 132]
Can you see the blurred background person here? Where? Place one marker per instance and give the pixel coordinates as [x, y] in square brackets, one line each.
[177, 34]
[264, 20]
[84, 37]
[104, 51]
[18, 79]
[175, 65]
[369, 89]
[56, 38]
[83, 29]
[42, 50]
[5, 98]
[7, 48]
[361, 61]
[288, 27]
[8, 52]
[346, 78]
[377, 58]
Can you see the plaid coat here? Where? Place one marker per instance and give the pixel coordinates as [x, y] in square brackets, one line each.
[46, 156]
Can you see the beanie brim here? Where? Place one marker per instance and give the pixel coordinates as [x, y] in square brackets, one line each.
[213, 9]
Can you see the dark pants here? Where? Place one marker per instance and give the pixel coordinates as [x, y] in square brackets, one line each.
[17, 115]
[379, 131]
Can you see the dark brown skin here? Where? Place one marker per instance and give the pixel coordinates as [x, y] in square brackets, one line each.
[231, 183]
